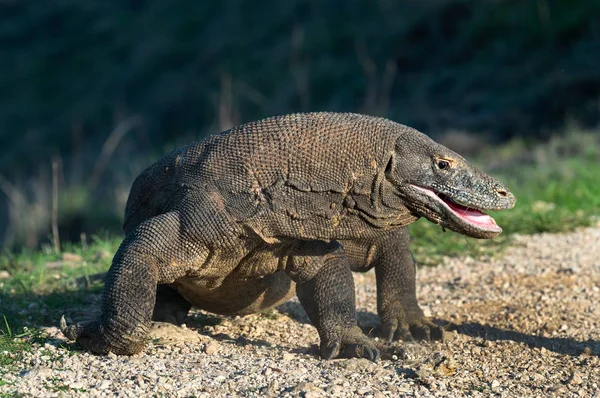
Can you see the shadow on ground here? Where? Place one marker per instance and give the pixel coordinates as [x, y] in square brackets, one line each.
[369, 323]
[560, 345]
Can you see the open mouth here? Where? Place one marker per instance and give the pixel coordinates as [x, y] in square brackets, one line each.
[471, 216]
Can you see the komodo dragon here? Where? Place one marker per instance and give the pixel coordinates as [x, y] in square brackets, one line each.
[242, 221]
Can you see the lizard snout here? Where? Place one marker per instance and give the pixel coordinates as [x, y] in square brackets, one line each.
[505, 196]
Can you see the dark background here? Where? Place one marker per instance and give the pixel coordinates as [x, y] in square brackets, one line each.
[100, 89]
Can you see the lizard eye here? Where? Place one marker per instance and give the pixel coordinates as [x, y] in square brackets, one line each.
[443, 164]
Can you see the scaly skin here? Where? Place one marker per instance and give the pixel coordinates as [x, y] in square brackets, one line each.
[289, 205]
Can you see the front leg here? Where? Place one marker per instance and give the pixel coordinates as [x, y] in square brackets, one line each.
[150, 255]
[325, 288]
[400, 314]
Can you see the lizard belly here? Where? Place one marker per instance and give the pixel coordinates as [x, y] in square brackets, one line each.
[257, 283]
[238, 297]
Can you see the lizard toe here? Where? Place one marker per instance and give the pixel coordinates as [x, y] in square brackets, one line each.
[94, 337]
[330, 350]
[436, 332]
[391, 331]
[351, 344]
[427, 331]
[420, 332]
[362, 350]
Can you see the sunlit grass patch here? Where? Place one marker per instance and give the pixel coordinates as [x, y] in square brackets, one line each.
[42, 285]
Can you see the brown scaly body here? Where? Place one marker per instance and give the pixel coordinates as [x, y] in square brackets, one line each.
[289, 205]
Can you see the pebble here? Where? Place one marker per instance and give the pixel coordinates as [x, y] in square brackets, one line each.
[211, 348]
[104, 384]
[575, 379]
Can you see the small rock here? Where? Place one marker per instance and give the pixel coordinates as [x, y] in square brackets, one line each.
[212, 348]
[422, 373]
[77, 385]
[49, 347]
[335, 390]
[559, 390]
[169, 334]
[4, 274]
[104, 384]
[37, 372]
[495, 384]
[288, 356]
[357, 364]
[306, 387]
[586, 351]
[574, 379]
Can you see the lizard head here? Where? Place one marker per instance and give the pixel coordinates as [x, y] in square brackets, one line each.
[440, 185]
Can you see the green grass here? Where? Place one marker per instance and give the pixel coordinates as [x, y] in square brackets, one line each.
[42, 287]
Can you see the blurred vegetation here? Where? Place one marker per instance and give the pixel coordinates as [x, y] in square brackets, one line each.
[101, 89]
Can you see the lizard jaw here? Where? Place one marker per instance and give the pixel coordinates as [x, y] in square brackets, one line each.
[474, 218]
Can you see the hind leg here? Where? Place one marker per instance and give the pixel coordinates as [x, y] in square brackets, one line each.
[170, 306]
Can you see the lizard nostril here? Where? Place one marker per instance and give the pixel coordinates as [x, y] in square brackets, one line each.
[502, 192]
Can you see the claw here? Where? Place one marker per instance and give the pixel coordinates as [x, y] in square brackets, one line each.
[367, 353]
[69, 331]
[437, 333]
[330, 350]
[63, 324]
[404, 335]
[421, 332]
[389, 330]
[375, 355]
[422, 329]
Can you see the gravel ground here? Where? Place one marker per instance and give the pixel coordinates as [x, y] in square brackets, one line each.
[525, 324]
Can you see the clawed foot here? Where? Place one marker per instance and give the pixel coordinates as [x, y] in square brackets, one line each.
[422, 329]
[94, 337]
[86, 334]
[359, 350]
[352, 344]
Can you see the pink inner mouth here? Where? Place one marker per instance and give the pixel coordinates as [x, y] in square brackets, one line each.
[473, 217]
